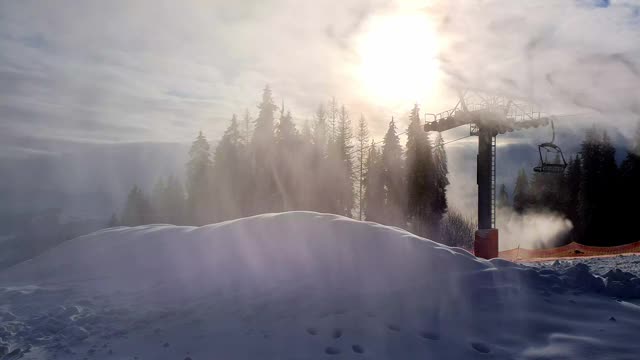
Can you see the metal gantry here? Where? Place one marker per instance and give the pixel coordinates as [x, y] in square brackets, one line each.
[487, 117]
[493, 182]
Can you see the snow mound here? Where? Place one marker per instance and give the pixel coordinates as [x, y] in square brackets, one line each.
[251, 254]
[301, 285]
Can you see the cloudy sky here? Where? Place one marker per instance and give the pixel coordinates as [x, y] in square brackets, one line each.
[77, 73]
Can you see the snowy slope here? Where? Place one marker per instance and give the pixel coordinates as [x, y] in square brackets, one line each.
[300, 286]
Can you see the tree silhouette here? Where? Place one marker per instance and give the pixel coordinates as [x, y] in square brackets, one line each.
[230, 169]
[503, 197]
[393, 177]
[265, 193]
[421, 177]
[199, 182]
[440, 206]
[137, 210]
[374, 192]
[362, 139]
[521, 192]
[630, 190]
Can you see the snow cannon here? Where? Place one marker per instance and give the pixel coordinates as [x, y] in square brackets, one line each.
[486, 243]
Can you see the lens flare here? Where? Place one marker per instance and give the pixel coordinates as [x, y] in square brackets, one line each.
[397, 58]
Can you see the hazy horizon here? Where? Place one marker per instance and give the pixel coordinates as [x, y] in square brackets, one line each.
[88, 85]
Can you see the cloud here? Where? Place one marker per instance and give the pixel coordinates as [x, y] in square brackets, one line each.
[194, 63]
[141, 70]
[562, 55]
[155, 65]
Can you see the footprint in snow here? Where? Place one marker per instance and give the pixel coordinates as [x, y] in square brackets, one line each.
[393, 327]
[330, 350]
[336, 334]
[429, 335]
[357, 349]
[480, 347]
[312, 331]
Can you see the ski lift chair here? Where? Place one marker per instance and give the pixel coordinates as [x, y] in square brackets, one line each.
[551, 159]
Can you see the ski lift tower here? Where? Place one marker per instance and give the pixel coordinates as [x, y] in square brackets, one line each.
[487, 117]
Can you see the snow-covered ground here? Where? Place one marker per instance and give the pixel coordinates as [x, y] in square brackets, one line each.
[598, 265]
[301, 286]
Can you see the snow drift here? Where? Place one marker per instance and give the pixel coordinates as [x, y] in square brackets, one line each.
[300, 285]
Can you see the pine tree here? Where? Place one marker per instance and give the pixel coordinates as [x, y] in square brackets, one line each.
[288, 143]
[609, 211]
[264, 125]
[362, 139]
[574, 179]
[137, 210]
[265, 193]
[168, 202]
[286, 133]
[157, 194]
[333, 120]
[393, 177]
[590, 151]
[320, 131]
[374, 192]
[546, 191]
[246, 128]
[422, 180]
[440, 206]
[503, 197]
[113, 221]
[630, 190]
[521, 192]
[598, 189]
[537, 189]
[307, 187]
[306, 134]
[199, 182]
[345, 174]
[173, 201]
[559, 195]
[230, 171]
[321, 163]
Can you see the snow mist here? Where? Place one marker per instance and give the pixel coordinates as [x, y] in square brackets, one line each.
[532, 229]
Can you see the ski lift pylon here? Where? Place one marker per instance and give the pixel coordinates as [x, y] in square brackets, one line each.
[557, 164]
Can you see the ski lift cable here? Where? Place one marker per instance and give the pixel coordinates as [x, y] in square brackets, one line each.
[452, 141]
[464, 137]
[404, 133]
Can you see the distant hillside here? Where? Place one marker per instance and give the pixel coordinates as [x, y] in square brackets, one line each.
[86, 180]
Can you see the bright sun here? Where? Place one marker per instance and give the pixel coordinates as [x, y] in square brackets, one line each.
[398, 58]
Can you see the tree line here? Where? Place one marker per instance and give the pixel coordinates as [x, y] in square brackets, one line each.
[329, 165]
[596, 193]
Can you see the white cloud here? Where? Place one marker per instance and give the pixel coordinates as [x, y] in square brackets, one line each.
[155, 65]
[564, 55]
[173, 68]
